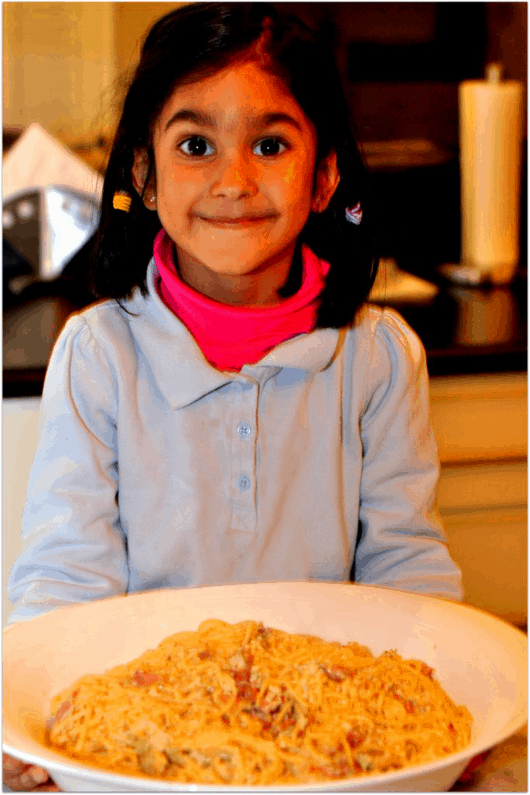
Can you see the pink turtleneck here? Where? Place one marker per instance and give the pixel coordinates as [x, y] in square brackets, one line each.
[232, 336]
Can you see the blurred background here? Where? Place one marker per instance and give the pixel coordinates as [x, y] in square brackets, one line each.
[401, 61]
[65, 67]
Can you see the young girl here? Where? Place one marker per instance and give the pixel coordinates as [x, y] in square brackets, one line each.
[233, 411]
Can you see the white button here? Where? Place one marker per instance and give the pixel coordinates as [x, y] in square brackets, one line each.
[25, 209]
[243, 430]
[243, 483]
[8, 219]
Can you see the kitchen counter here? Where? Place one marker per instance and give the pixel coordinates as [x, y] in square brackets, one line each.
[469, 331]
[464, 330]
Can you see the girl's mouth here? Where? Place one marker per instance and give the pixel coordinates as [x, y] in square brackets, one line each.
[241, 221]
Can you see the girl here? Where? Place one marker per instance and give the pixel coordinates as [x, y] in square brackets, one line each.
[233, 411]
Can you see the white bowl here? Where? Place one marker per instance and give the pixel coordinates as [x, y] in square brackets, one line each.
[479, 659]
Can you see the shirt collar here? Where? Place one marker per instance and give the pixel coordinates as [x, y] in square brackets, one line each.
[180, 369]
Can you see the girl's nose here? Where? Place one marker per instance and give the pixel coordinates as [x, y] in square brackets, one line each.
[233, 179]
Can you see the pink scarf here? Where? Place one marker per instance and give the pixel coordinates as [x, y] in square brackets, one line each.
[232, 336]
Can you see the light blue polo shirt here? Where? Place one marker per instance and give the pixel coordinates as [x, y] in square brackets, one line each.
[155, 470]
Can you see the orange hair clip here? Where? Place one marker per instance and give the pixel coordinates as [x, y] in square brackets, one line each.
[121, 201]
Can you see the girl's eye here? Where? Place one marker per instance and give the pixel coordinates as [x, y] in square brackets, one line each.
[269, 147]
[196, 147]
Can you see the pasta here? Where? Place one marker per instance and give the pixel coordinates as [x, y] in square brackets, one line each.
[242, 704]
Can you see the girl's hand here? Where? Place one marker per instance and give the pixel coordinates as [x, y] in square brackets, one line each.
[21, 777]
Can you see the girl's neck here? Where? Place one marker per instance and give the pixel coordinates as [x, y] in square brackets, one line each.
[229, 335]
[265, 287]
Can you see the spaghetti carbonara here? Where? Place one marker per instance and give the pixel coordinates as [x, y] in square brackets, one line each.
[242, 704]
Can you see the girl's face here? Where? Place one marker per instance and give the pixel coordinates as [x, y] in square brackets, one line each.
[235, 181]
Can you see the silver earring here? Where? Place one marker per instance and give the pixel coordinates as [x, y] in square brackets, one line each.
[152, 199]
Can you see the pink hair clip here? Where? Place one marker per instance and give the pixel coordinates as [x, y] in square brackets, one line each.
[355, 214]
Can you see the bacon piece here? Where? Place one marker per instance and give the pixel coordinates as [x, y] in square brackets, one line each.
[142, 678]
[354, 738]
[245, 692]
[337, 673]
[241, 673]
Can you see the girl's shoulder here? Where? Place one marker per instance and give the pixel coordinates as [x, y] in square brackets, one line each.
[383, 354]
[98, 324]
[102, 336]
[384, 328]
[109, 320]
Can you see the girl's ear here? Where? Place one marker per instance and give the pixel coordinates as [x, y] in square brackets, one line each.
[326, 182]
[140, 173]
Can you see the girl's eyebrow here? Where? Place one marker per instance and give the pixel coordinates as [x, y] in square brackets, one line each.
[205, 120]
[268, 119]
[187, 114]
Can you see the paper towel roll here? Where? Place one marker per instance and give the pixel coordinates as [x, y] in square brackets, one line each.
[491, 126]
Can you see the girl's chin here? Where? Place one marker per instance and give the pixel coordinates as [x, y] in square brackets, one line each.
[234, 262]
[229, 272]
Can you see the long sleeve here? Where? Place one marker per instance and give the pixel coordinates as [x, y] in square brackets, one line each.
[74, 549]
[402, 543]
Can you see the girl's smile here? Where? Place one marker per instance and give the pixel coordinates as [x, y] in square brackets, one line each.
[235, 160]
[242, 221]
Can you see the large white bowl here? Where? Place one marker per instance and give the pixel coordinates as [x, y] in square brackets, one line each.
[479, 659]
